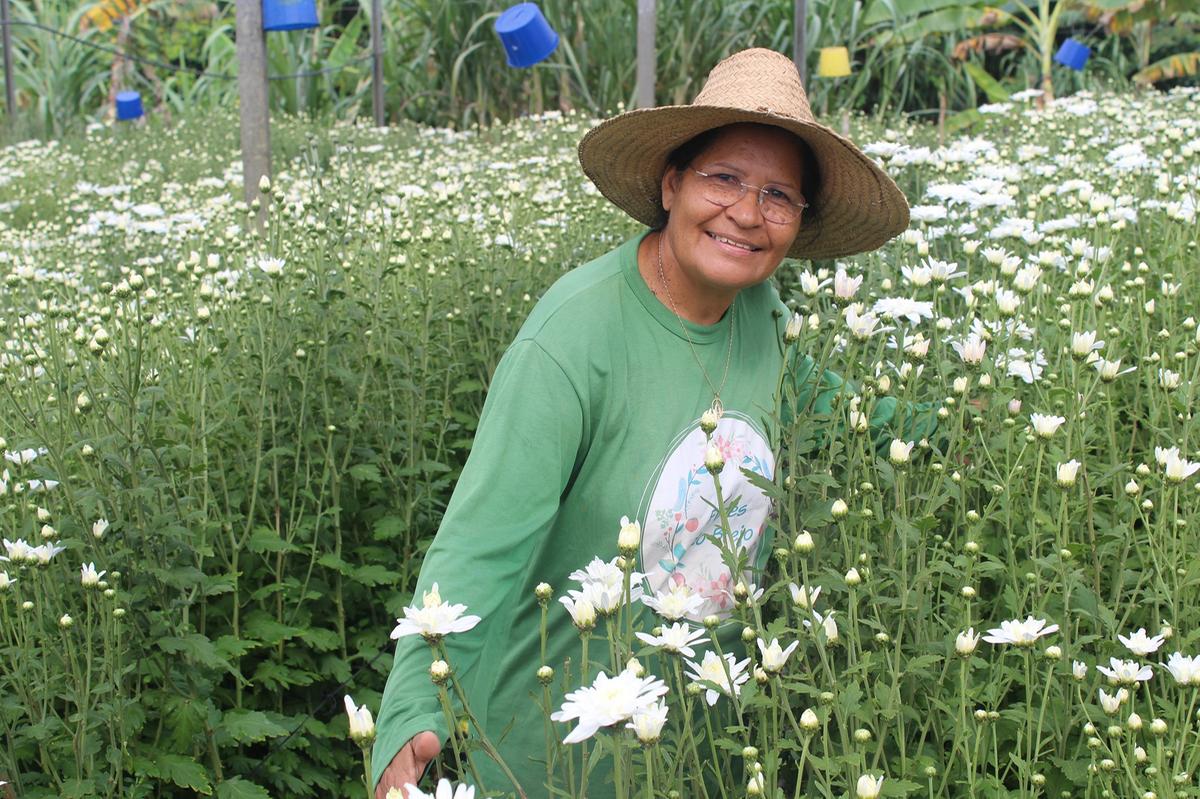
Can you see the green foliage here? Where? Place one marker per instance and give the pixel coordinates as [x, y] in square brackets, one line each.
[443, 64]
[272, 448]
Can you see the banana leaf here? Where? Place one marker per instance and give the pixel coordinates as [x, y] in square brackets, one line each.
[1175, 66]
[991, 87]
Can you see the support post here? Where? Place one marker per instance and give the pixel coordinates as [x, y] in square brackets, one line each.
[647, 57]
[799, 43]
[10, 90]
[252, 91]
[377, 62]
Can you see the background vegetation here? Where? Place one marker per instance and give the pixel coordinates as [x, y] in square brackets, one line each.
[444, 64]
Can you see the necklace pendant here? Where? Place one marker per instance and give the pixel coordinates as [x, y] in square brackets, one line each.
[717, 408]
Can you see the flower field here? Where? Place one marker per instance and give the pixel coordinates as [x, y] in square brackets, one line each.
[225, 452]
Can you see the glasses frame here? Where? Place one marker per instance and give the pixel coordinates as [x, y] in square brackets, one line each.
[761, 191]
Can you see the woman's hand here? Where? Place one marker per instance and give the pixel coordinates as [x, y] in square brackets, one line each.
[409, 763]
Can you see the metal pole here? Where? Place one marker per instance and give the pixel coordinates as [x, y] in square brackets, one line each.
[377, 61]
[10, 91]
[252, 94]
[799, 45]
[647, 21]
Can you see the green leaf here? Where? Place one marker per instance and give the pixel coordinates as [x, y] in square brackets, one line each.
[262, 627]
[196, 648]
[177, 769]
[264, 539]
[375, 574]
[366, 473]
[388, 528]
[249, 726]
[238, 788]
[990, 86]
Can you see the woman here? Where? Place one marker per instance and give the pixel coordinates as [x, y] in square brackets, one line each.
[593, 412]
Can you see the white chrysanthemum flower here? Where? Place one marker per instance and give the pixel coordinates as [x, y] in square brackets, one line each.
[1082, 344]
[45, 553]
[1020, 633]
[444, 790]
[863, 326]
[712, 670]
[899, 451]
[1178, 468]
[677, 638]
[1141, 644]
[362, 726]
[1125, 672]
[911, 311]
[774, 657]
[971, 350]
[1111, 703]
[1185, 670]
[827, 624]
[647, 722]
[869, 786]
[917, 275]
[607, 701]
[966, 642]
[677, 602]
[803, 596]
[1164, 454]
[435, 619]
[1045, 426]
[272, 267]
[89, 577]
[844, 286]
[1065, 473]
[583, 612]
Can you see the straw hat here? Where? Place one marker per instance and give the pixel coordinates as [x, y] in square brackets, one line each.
[857, 207]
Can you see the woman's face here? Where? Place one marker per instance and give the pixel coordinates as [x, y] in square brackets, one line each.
[718, 251]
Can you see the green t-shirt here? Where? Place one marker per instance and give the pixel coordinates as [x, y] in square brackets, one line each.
[592, 415]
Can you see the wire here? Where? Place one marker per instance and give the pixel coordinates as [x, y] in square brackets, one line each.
[278, 745]
[178, 68]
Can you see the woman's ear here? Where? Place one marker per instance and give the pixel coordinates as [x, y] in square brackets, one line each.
[670, 187]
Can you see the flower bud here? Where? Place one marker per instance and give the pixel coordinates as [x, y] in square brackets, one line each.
[714, 461]
[839, 509]
[629, 540]
[804, 543]
[439, 672]
[809, 721]
[852, 577]
[708, 421]
[545, 675]
[543, 592]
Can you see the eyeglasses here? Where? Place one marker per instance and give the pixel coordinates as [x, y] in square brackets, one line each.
[778, 205]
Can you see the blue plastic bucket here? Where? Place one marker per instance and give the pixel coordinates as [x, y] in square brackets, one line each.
[1073, 53]
[526, 35]
[289, 15]
[129, 105]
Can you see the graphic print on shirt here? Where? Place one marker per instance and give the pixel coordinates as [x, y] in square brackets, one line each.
[680, 518]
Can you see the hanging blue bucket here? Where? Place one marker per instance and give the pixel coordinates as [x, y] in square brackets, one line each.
[129, 105]
[1073, 54]
[289, 15]
[526, 35]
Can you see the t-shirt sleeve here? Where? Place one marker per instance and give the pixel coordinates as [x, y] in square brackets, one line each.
[523, 456]
[813, 391]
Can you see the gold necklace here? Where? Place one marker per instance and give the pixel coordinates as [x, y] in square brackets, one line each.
[716, 407]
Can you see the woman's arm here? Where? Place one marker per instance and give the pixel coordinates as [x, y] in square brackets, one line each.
[505, 501]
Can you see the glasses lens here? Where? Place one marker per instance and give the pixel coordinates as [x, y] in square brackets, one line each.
[780, 212]
[721, 189]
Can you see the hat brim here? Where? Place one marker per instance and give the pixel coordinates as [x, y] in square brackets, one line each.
[857, 207]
